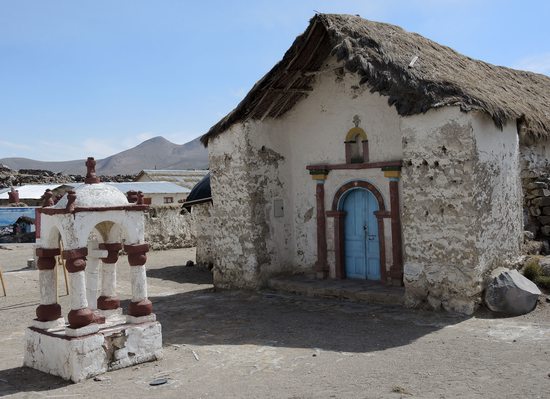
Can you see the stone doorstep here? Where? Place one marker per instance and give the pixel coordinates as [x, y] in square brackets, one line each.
[354, 290]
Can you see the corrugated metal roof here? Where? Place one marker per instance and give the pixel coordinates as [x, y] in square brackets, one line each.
[184, 178]
[31, 191]
[151, 187]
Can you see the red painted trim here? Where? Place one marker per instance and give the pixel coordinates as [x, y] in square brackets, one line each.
[321, 267]
[80, 317]
[47, 252]
[37, 222]
[112, 249]
[136, 248]
[358, 184]
[142, 308]
[339, 270]
[365, 151]
[137, 253]
[108, 303]
[382, 239]
[365, 165]
[114, 246]
[348, 145]
[75, 259]
[48, 312]
[339, 226]
[61, 211]
[396, 272]
[382, 214]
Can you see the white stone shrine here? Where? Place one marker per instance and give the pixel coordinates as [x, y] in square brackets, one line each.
[88, 227]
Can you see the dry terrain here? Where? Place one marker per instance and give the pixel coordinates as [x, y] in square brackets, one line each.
[269, 345]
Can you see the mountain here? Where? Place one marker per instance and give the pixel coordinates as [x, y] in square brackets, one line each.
[155, 153]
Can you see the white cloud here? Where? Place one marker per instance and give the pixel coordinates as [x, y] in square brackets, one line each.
[16, 146]
[539, 63]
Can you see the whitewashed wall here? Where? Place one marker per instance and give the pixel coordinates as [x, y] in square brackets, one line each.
[253, 164]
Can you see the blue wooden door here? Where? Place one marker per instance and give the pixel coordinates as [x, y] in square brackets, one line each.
[362, 244]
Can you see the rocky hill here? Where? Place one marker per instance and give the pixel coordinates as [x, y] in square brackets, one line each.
[155, 153]
[13, 178]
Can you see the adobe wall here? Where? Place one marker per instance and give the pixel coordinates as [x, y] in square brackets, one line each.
[461, 206]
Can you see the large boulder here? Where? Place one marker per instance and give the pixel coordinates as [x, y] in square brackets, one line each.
[511, 293]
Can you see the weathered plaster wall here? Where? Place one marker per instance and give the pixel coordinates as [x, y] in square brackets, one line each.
[256, 163]
[244, 180]
[461, 205]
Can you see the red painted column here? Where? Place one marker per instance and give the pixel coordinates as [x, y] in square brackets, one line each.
[321, 266]
[396, 271]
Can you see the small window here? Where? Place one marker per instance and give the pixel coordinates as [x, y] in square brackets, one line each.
[168, 200]
[357, 146]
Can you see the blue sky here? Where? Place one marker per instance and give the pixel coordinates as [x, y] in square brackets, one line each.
[92, 78]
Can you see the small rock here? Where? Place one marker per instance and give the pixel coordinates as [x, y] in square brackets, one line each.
[528, 235]
[511, 293]
[158, 381]
[537, 184]
[189, 263]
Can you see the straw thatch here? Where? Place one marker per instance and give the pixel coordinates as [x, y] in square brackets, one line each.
[380, 54]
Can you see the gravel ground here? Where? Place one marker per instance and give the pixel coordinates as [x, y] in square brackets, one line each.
[268, 345]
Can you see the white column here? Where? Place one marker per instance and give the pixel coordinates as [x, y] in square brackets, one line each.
[78, 290]
[47, 282]
[139, 283]
[92, 284]
[108, 279]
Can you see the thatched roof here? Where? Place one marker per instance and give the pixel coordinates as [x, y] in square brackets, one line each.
[380, 55]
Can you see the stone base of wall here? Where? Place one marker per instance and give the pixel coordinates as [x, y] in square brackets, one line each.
[78, 358]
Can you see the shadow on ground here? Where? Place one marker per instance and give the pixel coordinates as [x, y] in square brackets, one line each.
[238, 318]
[24, 379]
[182, 274]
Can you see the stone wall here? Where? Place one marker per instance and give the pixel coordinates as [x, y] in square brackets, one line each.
[461, 206]
[535, 179]
[166, 228]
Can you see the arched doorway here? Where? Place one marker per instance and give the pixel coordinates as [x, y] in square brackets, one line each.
[361, 235]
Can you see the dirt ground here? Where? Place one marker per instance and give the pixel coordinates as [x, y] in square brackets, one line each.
[269, 345]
